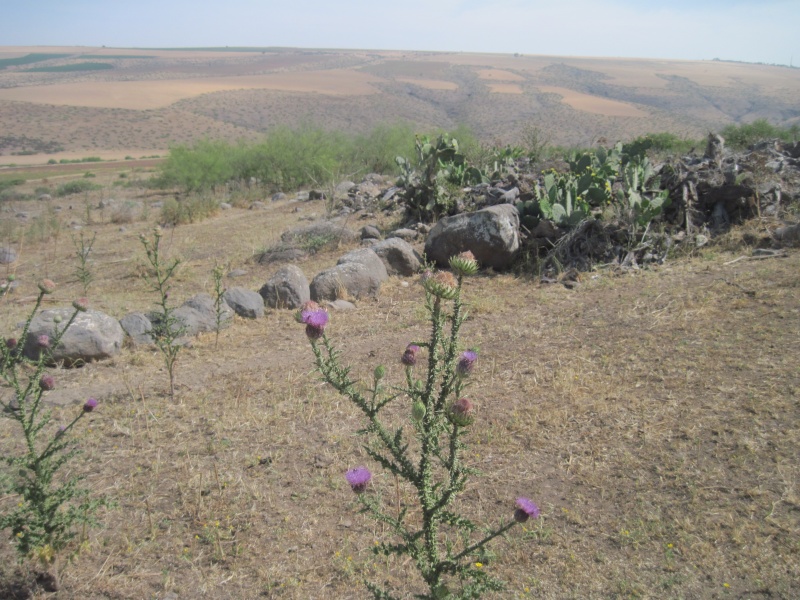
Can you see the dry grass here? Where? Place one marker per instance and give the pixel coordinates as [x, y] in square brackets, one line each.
[654, 417]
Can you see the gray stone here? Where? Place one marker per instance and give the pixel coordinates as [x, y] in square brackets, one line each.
[398, 256]
[352, 279]
[91, 336]
[341, 305]
[245, 303]
[277, 255]
[408, 235]
[7, 256]
[320, 230]
[237, 273]
[343, 189]
[287, 288]
[225, 206]
[198, 315]
[370, 232]
[788, 235]
[258, 205]
[491, 234]
[138, 327]
[278, 197]
[45, 197]
[368, 258]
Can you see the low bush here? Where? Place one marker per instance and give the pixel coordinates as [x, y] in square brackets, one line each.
[747, 134]
[76, 187]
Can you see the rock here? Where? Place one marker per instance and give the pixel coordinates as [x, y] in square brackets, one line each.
[237, 273]
[138, 327]
[788, 235]
[225, 206]
[341, 305]
[343, 189]
[199, 315]
[7, 256]
[353, 279]
[281, 255]
[368, 258]
[287, 288]
[370, 232]
[245, 303]
[408, 235]
[700, 240]
[316, 195]
[714, 147]
[398, 256]
[491, 234]
[328, 230]
[45, 197]
[258, 205]
[93, 335]
[278, 197]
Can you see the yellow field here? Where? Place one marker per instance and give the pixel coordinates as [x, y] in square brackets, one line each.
[593, 104]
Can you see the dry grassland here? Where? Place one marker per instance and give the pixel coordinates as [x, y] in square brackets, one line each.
[593, 104]
[655, 417]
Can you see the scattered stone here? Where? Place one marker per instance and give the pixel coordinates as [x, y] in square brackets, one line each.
[368, 258]
[198, 315]
[316, 195]
[352, 279]
[278, 197]
[491, 234]
[788, 235]
[343, 189]
[370, 232]
[398, 256]
[237, 273]
[45, 197]
[258, 205]
[408, 235]
[92, 336]
[7, 256]
[287, 288]
[245, 303]
[341, 305]
[225, 206]
[138, 327]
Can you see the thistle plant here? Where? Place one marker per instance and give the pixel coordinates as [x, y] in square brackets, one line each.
[83, 272]
[219, 301]
[442, 543]
[41, 508]
[167, 328]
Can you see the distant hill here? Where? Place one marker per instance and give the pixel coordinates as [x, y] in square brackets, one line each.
[148, 99]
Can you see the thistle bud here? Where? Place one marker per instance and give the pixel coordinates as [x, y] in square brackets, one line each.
[380, 372]
[464, 264]
[460, 412]
[81, 304]
[418, 411]
[47, 286]
[47, 383]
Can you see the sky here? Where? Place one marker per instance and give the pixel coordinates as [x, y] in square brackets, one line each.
[745, 30]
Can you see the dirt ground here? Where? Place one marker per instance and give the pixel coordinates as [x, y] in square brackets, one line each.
[655, 418]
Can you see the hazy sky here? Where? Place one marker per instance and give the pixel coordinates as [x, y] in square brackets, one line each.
[748, 30]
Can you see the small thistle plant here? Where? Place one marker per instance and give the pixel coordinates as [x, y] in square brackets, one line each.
[83, 272]
[167, 328]
[219, 301]
[444, 546]
[47, 508]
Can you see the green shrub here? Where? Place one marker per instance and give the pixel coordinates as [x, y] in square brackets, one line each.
[191, 209]
[747, 134]
[76, 187]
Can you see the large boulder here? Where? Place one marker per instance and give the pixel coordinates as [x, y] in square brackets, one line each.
[287, 288]
[350, 279]
[245, 303]
[93, 335]
[398, 256]
[491, 234]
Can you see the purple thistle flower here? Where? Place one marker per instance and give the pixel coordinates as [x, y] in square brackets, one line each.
[410, 355]
[467, 362]
[43, 341]
[315, 319]
[81, 304]
[47, 382]
[90, 405]
[526, 509]
[358, 479]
